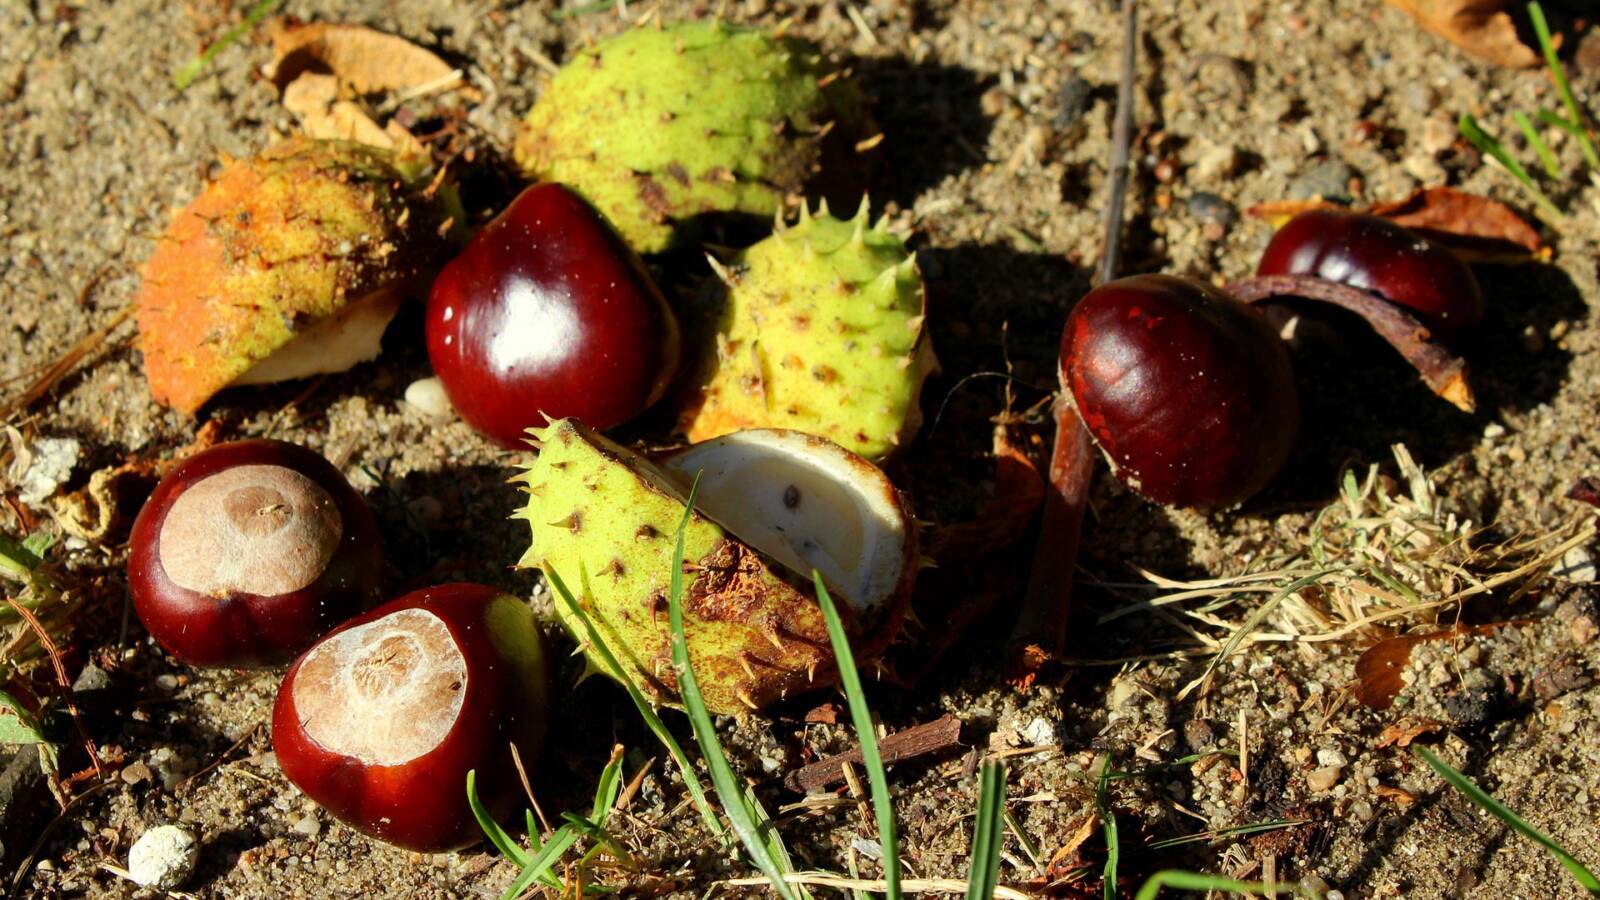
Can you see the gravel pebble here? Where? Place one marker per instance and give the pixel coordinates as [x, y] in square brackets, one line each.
[1329, 180]
[163, 857]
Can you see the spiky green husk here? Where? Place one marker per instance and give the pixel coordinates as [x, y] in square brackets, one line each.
[272, 247]
[605, 520]
[659, 125]
[818, 328]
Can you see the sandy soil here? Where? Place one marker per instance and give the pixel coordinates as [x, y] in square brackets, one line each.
[997, 115]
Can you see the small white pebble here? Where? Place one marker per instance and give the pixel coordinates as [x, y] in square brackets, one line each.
[1577, 564]
[1039, 732]
[163, 857]
[427, 396]
[1323, 779]
[308, 825]
[1331, 757]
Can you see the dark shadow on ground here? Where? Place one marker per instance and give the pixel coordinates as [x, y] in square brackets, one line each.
[932, 123]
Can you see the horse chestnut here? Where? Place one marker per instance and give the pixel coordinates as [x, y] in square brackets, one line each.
[1187, 391]
[1377, 255]
[247, 552]
[380, 721]
[546, 312]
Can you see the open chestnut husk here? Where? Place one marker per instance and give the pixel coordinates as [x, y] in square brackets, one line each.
[380, 721]
[248, 551]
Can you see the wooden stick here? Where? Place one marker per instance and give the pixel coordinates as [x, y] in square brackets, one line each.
[919, 740]
[1041, 629]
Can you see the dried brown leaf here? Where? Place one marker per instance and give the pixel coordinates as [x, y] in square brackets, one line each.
[1398, 795]
[1477, 228]
[1483, 28]
[1018, 491]
[314, 99]
[1408, 729]
[1378, 669]
[367, 60]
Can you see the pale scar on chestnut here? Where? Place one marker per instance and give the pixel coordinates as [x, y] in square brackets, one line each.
[384, 692]
[260, 529]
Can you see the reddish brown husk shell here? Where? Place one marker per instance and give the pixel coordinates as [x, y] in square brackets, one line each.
[422, 804]
[1187, 391]
[244, 629]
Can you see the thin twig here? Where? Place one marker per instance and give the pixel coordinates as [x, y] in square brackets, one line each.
[919, 740]
[1041, 628]
[1121, 144]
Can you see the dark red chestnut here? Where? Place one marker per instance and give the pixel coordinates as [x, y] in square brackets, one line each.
[1187, 391]
[1377, 255]
[547, 312]
[249, 551]
[380, 721]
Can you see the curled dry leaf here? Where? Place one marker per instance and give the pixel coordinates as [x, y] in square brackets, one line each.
[107, 504]
[369, 61]
[1402, 733]
[321, 68]
[1003, 520]
[1483, 28]
[1474, 227]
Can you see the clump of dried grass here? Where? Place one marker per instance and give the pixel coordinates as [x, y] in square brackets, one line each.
[1386, 555]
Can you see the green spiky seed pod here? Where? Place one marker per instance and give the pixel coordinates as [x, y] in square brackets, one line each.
[818, 328]
[605, 519]
[660, 125]
[286, 265]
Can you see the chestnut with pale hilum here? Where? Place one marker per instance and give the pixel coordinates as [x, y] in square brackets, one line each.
[248, 551]
[380, 721]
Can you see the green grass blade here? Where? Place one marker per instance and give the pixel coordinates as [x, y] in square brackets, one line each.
[691, 781]
[984, 874]
[740, 814]
[606, 791]
[1197, 881]
[1478, 795]
[491, 829]
[1489, 146]
[1551, 117]
[1559, 74]
[538, 867]
[189, 71]
[1108, 820]
[861, 717]
[1546, 157]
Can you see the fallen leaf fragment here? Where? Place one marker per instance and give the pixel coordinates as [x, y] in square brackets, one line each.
[107, 504]
[367, 60]
[1483, 28]
[1397, 795]
[1408, 729]
[1475, 228]
[1004, 519]
[1379, 669]
[314, 99]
